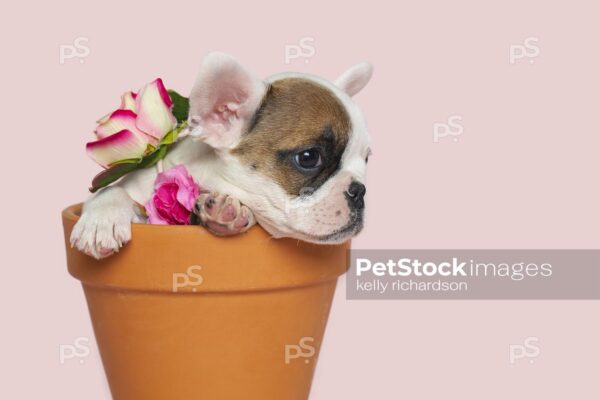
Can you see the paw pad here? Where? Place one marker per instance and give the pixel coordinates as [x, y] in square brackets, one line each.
[222, 214]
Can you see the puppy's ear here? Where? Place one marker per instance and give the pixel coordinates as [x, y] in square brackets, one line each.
[354, 79]
[224, 98]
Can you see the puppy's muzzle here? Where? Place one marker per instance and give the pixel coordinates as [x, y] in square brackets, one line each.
[355, 195]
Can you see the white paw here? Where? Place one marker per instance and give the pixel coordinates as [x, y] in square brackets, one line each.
[102, 232]
[105, 224]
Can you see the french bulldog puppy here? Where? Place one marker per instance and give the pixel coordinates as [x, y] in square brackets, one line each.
[289, 152]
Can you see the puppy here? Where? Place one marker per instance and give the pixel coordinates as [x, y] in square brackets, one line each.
[292, 148]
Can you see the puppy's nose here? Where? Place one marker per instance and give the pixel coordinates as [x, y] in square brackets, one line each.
[355, 194]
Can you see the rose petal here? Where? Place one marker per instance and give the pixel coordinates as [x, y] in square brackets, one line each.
[153, 106]
[180, 214]
[174, 174]
[103, 119]
[153, 215]
[175, 194]
[187, 196]
[128, 101]
[188, 189]
[164, 212]
[166, 194]
[116, 122]
[123, 145]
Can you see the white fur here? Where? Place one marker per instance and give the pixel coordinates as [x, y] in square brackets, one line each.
[105, 223]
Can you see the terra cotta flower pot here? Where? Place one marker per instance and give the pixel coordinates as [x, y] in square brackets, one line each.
[180, 314]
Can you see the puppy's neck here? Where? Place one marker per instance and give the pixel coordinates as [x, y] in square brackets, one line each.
[207, 167]
[190, 152]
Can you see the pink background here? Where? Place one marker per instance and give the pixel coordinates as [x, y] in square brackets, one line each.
[524, 174]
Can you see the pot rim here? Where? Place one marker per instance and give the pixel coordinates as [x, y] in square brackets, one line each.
[159, 255]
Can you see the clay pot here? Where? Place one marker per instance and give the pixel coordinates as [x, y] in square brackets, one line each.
[180, 314]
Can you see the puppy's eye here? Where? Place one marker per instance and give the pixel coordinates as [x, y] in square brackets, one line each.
[308, 159]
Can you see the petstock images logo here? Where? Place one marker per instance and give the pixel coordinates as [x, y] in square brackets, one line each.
[474, 274]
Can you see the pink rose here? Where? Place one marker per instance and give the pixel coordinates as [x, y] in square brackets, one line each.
[174, 197]
[142, 120]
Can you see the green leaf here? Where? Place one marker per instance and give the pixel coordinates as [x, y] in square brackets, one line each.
[122, 168]
[127, 161]
[111, 175]
[181, 106]
[171, 137]
[154, 157]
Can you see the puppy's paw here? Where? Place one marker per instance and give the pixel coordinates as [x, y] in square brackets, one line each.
[223, 215]
[100, 234]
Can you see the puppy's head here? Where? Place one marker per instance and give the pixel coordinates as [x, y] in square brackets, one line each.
[293, 148]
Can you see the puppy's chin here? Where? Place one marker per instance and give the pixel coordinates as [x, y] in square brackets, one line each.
[336, 236]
